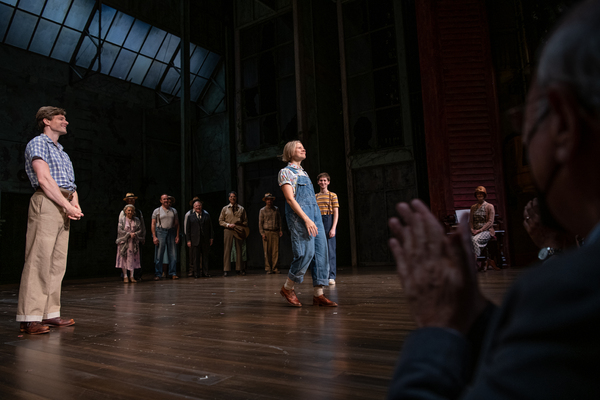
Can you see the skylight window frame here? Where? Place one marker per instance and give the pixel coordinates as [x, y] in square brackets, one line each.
[80, 72]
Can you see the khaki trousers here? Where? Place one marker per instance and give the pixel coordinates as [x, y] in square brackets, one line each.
[271, 248]
[229, 239]
[45, 260]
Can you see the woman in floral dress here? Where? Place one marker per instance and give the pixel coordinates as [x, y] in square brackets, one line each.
[481, 221]
[128, 243]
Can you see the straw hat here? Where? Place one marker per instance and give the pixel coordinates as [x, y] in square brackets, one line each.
[194, 199]
[130, 196]
[268, 196]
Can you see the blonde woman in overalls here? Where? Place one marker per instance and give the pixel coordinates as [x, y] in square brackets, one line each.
[303, 216]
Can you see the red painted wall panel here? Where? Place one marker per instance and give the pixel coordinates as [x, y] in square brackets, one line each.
[460, 104]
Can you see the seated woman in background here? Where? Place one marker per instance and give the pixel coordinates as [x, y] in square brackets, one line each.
[128, 243]
[481, 221]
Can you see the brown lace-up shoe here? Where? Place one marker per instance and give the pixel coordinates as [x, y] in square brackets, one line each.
[323, 301]
[290, 296]
[34, 328]
[58, 322]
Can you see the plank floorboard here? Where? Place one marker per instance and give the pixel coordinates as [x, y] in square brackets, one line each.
[216, 338]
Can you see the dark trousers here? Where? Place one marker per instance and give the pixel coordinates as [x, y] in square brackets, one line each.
[200, 259]
[331, 245]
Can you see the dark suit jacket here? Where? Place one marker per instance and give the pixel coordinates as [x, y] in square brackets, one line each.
[543, 343]
[199, 231]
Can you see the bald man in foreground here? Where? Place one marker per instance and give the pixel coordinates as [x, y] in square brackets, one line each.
[543, 342]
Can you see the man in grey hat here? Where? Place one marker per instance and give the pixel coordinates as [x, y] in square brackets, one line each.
[269, 226]
[235, 221]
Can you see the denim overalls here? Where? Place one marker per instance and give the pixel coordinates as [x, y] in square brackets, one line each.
[307, 250]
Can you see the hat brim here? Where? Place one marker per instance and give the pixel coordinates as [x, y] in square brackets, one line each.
[270, 197]
[134, 197]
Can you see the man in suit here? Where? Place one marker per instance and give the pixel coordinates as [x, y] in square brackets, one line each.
[190, 266]
[543, 342]
[199, 237]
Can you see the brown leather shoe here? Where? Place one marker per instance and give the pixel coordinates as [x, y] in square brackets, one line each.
[34, 328]
[174, 277]
[323, 301]
[492, 264]
[290, 296]
[58, 321]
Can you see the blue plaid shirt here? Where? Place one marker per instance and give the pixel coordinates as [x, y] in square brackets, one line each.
[61, 168]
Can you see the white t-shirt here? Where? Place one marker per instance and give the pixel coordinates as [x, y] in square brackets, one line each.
[165, 218]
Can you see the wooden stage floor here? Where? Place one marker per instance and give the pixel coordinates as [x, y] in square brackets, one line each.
[214, 338]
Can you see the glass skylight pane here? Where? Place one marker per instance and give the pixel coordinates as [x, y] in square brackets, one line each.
[119, 29]
[56, 10]
[168, 48]
[177, 59]
[197, 87]
[153, 42]
[139, 70]
[123, 64]
[5, 14]
[11, 2]
[21, 29]
[33, 6]
[107, 57]
[79, 14]
[86, 54]
[65, 45]
[154, 74]
[177, 89]
[209, 65]
[197, 58]
[170, 81]
[137, 35]
[44, 37]
[108, 14]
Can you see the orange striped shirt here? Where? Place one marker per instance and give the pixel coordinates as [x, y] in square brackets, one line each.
[327, 202]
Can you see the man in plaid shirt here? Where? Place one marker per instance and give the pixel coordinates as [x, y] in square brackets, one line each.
[51, 208]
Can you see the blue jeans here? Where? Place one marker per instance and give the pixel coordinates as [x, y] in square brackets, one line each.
[166, 241]
[331, 244]
[307, 250]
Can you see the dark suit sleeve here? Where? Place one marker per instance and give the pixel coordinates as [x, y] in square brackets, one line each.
[542, 344]
[438, 363]
[432, 366]
[545, 342]
[188, 233]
